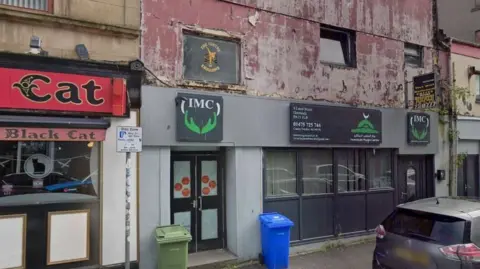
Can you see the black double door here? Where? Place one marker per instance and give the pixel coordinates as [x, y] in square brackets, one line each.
[197, 199]
[413, 180]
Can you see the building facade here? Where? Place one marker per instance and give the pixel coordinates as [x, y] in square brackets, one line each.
[70, 76]
[299, 108]
[462, 65]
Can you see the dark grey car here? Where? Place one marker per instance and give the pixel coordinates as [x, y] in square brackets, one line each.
[433, 233]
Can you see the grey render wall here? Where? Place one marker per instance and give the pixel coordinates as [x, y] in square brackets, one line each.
[260, 122]
[457, 19]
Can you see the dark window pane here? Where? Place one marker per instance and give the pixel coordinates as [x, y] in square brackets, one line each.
[317, 171]
[351, 170]
[281, 179]
[441, 229]
[380, 169]
[413, 55]
[210, 59]
[39, 171]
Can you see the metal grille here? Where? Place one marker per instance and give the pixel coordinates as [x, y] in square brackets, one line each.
[32, 4]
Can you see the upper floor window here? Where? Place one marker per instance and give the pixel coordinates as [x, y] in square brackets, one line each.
[337, 46]
[477, 85]
[413, 55]
[42, 5]
[207, 58]
[476, 5]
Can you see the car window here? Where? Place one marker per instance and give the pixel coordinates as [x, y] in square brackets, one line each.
[430, 227]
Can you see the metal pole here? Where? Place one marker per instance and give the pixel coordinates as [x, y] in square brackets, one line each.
[128, 172]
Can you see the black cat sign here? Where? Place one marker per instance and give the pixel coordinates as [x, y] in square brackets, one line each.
[38, 166]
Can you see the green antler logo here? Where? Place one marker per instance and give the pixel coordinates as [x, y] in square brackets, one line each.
[190, 122]
[365, 126]
[419, 133]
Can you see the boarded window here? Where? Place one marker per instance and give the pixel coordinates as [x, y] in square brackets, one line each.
[413, 55]
[211, 59]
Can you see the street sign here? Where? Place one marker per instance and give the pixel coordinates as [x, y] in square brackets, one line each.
[129, 139]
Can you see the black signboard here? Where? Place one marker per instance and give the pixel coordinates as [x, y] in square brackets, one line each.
[418, 128]
[211, 59]
[424, 93]
[199, 118]
[334, 125]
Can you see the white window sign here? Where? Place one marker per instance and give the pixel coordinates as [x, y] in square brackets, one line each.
[129, 139]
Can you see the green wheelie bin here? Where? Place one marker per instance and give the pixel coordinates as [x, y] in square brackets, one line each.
[172, 243]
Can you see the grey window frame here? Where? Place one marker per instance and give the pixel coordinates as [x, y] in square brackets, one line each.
[348, 43]
[415, 61]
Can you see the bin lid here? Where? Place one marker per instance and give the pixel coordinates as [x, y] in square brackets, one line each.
[275, 220]
[172, 233]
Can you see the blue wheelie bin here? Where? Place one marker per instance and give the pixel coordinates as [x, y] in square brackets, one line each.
[275, 236]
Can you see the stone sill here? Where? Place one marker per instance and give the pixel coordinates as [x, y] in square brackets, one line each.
[42, 18]
[232, 88]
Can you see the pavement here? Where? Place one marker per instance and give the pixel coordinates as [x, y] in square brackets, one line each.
[352, 257]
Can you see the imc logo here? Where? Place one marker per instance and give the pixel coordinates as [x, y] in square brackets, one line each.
[199, 117]
[418, 127]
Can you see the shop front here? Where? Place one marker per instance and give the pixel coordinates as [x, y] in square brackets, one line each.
[213, 162]
[468, 152]
[61, 197]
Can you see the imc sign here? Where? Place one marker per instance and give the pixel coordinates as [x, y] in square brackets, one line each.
[314, 124]
[199, 118]
[418, 128]
[35, 90]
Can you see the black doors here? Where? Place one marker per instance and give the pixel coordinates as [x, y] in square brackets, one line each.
[467, 177]
[412, 178]
[196, 199]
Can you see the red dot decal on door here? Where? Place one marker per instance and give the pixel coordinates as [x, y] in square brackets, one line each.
[205, 179]
[185, 180]
[186, 192]
[178, 187]
[206, 191]
[212, 184]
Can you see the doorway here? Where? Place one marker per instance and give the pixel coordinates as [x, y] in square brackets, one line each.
[197, 198]
[467, 177]
[412, 179]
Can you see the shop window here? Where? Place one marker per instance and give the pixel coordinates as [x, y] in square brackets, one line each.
[380, 169]
[281, 173]
[42, 5]
[48, 171]
[351, 170]
[211, 59]
[317, 171]
[413, 55]
[337, 46]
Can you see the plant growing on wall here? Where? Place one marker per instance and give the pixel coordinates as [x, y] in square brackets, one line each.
[453, 99]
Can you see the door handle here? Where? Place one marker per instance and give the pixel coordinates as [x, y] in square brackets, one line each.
[200, 203]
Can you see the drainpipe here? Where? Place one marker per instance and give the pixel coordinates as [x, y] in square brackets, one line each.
[452, 126]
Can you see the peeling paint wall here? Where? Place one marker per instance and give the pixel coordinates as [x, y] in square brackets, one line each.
[281, 44]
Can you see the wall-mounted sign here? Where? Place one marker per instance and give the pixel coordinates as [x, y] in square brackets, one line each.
[418, 128]
[314, 124]
[211, 59]
[199, 118]
[47, 91]
[50, 134]
[424, 91]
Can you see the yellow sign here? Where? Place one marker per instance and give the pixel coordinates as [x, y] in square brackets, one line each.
[210, 62]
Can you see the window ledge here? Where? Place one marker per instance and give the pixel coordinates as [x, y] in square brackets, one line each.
[338, 66]
[235, 88]
[477, 8]
[34, 17]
